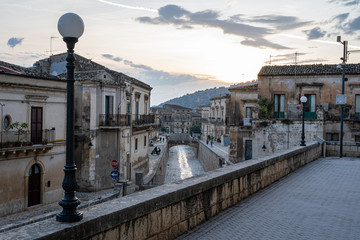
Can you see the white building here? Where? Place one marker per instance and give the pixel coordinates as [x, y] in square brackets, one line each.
[31, 163]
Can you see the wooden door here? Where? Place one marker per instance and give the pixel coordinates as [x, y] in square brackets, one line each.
[36, 124]
[34, 185]
[248, 149]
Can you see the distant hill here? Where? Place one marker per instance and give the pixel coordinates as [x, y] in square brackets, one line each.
[198, 98]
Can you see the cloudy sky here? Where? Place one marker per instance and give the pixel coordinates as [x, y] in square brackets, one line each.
[180, 47]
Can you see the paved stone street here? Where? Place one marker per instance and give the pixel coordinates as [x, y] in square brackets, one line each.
[318, 201]
[182, 163]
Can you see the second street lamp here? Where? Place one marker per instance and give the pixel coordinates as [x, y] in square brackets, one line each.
[71, 27]
[303, 100]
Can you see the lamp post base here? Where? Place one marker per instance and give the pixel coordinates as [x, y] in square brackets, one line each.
[69, 212]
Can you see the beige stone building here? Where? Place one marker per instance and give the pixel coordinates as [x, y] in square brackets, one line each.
[242, 109]
[215, 126]
[112, 122]
[276, 112]
[32, 160]
[176, 119]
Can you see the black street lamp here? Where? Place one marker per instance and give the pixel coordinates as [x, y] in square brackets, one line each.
[344, 59]
[71, 27]
[303, 100]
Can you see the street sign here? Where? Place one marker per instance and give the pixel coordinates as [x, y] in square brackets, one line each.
[114, 163]
[340, 99]
[114, 174]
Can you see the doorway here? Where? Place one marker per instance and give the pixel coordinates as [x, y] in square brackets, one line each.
[248, 149]
[34, 185]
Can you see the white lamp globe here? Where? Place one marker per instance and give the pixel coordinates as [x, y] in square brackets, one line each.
[71, 25]
[303, 99]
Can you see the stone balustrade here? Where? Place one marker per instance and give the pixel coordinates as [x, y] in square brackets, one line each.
[167, 211]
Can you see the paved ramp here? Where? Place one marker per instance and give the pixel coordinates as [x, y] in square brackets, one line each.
[319, 201]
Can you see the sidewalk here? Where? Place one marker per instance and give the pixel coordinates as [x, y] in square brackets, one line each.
[222, 151]
[318, 201]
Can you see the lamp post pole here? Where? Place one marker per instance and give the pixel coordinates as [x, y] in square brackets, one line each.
[303, 100]
[71, 28]
[2, 123]
[344, 59]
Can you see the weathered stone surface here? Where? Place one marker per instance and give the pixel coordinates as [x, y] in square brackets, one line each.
[195, 196]
[154, 222]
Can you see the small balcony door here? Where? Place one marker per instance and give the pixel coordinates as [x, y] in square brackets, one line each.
[36, 124]
[109, 108]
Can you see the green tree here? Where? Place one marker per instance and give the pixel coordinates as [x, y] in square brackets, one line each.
[195, 128]
[20, 127]
[265, 106]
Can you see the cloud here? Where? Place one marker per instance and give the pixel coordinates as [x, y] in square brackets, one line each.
[111, 57]
[12, 42]
[128, 6]
[238, 25]
[280, 22]
[345, 2]
[292, 58]
[139, 66]
[262, 43]
[157, 78]
[314, 33]
[353, 25]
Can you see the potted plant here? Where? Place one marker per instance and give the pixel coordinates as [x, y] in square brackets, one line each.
[20, 127]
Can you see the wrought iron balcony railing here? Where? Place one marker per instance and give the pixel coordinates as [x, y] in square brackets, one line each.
[114, 120]
[10, 139]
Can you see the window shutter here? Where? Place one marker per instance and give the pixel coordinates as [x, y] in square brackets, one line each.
[282, 103]
[313, 103]
[357, 103]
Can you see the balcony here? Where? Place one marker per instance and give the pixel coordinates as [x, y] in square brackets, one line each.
[114, 120]
[26, 142]
[144, 119]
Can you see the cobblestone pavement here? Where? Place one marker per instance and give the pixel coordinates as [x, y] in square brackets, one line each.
[319, 201]
[182, 163]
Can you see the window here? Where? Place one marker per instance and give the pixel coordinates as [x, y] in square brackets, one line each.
[144, 141]
[248, 112]
[357, 138]
[6, 122]
[109, 107]
[145, 108]
[310, 106]
[279, 106]
[137, 110]
[136, 144]
[332, 137]
[357, 105]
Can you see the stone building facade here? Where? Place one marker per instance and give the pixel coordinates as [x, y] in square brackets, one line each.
[176, 119]
[215, 126]
[276, 111]
[242, 109]
[112, 122]
[31, 159]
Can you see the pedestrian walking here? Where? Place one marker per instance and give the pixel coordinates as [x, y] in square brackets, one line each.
[211, 143]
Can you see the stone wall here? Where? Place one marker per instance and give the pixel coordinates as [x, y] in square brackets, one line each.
[277, 136]
[350, 149]
[208, 159]
[167, 211]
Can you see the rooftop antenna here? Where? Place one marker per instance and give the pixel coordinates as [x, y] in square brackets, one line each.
[51, 38]
[296, 53]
